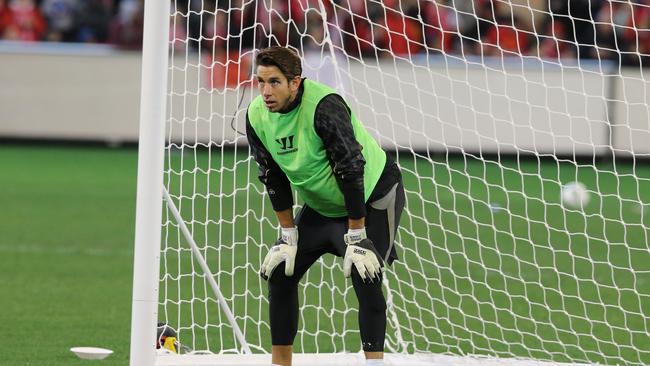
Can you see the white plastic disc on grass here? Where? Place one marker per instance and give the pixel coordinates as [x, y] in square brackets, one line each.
[91, 353]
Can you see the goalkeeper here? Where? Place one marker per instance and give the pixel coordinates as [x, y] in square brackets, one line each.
[303, 134]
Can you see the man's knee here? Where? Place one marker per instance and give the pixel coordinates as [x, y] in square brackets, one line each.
[369, 294]
[278, 278]
[281, 288]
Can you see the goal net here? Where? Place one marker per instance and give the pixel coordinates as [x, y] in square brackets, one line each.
[490, 109]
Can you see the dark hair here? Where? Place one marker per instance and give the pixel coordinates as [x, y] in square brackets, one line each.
[283, 58]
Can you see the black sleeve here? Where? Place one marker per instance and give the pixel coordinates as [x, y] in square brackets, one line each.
[276, 182]
[334, 126]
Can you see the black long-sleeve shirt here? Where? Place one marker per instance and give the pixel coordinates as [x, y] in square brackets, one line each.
[333, 124]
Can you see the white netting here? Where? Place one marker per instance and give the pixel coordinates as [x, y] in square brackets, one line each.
[489, 108]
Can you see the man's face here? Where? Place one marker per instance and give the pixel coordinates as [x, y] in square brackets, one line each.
[277, 91]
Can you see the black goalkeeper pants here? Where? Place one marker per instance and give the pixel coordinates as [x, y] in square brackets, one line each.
[318, 235]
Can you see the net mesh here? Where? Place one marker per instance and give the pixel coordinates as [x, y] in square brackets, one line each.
[489, 107]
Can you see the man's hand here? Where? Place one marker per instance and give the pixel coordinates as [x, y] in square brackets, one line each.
[362, 253]
[284, 250]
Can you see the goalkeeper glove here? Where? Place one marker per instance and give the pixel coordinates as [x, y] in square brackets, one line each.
[362, 253]
[284, 250]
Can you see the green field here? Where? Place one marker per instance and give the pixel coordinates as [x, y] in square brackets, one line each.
[66, 249]
[527, 279]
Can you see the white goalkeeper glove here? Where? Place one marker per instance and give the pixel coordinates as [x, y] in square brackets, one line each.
[284, 250]
[362, 253]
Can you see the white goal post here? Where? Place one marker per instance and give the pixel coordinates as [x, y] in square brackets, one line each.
[492, 108]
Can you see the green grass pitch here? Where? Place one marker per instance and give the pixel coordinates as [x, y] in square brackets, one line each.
[66, 249]
[528, 279]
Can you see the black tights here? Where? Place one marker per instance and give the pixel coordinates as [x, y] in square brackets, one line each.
[283, 300]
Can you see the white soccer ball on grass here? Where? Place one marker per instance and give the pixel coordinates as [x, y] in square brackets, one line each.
[575, 195]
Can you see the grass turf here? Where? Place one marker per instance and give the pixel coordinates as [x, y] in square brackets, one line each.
[524, 278]
[66, 244]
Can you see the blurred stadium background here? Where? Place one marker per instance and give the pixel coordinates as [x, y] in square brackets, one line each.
[69, 94]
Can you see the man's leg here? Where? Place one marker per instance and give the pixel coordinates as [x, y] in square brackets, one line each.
[372, 315]
[283, 315]
[283, 307]
[283, 291]
[382, 220]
